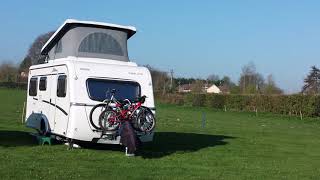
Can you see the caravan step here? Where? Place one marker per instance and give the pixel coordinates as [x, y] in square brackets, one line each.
[42, 140]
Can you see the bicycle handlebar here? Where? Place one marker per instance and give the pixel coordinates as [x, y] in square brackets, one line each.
[113, 99]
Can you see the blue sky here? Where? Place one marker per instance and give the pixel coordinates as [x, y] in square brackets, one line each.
[194, 38]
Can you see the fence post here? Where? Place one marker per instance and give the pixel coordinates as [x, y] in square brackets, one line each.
[22, 116]
[203, 119]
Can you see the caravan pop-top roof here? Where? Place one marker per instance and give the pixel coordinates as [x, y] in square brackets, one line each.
[89, 39]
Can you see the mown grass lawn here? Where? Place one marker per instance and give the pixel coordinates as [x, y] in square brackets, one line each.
[230, 146]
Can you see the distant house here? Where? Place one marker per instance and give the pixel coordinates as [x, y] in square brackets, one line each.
[184, 88]
[24, 74]
[23, 77]
[212, 89]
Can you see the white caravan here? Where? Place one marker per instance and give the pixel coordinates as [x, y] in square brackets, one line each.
[84, 61]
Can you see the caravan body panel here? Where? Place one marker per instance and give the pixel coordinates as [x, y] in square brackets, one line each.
[68, 116]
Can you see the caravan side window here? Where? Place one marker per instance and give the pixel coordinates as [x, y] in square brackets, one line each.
[33, 86]
[62, 86]
[43, 84]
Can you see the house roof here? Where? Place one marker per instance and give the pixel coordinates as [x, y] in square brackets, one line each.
[71, 23]
[185, 86]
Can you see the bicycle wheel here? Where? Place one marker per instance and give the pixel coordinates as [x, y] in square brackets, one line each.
[108, 120]
[145, 120]
[95, 114]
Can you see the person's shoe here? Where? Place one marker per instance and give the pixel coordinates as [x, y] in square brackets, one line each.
[130, 155]
[76, 146]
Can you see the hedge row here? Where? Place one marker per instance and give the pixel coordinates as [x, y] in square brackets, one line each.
[15, 85]
[280, 104]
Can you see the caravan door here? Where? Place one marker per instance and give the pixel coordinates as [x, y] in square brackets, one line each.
[44, 95]
[62, 105]
[52, 86]
[59, 100]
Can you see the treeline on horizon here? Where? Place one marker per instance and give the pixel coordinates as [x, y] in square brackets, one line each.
[250, 81]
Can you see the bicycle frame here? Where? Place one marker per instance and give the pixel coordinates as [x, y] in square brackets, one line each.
[116, 112]
[124, 114]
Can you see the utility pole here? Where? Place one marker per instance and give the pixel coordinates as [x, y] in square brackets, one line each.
[171, 79]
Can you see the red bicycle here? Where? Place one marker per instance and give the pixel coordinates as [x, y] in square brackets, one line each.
[113, 112]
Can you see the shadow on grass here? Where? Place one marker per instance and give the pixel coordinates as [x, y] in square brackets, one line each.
[20, 138]
[166, 143]
[103, 147]
[16, 138]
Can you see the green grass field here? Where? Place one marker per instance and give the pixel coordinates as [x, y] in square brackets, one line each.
[230, 146]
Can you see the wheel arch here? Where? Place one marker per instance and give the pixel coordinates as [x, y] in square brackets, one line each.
[36, 121]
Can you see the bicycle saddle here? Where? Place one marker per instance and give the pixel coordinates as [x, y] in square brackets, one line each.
[141, 99]
[123, 102]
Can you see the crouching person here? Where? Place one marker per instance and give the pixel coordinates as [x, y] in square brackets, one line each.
[129, 138]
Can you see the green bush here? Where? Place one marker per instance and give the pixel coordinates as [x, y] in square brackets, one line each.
[195, 99]
[14, 85]
[317, 106]
[216, 101]
[298, 104]
[177, 99]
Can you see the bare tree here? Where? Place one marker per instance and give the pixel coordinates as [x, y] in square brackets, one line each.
[213, 77]
[160, 80]
[250, 81]
[34, 52]
[270, 87]
[270, 80]
[8, 72]
[197, 86]
[226, 81]
[25, 64]
[249, 69]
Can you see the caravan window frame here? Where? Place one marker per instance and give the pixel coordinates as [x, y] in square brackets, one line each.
[33, 88]
[62, 86]
[43, 85]
[95, 98]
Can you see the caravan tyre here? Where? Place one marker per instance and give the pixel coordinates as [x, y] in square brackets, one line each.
[43, 130]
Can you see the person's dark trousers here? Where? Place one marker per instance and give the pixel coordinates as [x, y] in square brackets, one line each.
[129, 137]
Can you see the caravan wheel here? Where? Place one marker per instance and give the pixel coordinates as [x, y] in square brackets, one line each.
[43, 130]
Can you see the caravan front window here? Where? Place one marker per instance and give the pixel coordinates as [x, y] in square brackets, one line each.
[100, 89]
